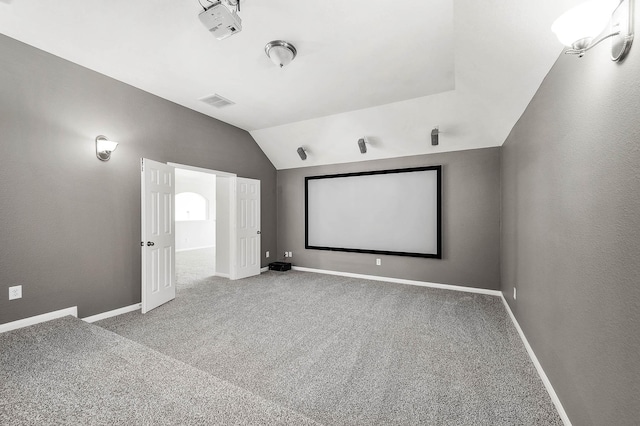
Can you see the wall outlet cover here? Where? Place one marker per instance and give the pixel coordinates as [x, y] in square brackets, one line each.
[378, 262]
[266, 254]
[15, 292]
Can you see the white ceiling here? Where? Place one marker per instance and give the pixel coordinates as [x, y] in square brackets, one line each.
[388, 71]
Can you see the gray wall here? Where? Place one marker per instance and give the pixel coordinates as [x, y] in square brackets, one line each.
[571, 233]
[470, 222]
[69, 223]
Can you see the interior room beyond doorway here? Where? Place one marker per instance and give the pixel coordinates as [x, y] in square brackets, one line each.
[195, 226]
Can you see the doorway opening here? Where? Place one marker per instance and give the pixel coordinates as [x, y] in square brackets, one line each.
[202, 222]
[228, 205]
[195, 226]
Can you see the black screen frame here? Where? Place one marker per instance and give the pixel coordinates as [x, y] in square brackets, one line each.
[436, 255]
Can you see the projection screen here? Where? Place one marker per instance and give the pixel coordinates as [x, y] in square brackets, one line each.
[394, 212]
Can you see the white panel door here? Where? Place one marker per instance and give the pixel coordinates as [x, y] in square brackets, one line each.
[158, 235]
[247, 228]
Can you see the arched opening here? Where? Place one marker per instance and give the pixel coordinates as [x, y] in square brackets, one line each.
[191, 206]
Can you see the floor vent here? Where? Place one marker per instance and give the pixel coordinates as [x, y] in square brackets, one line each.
[216, 101]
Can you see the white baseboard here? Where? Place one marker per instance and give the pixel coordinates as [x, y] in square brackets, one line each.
[402, 281]
[545, 380]
[536, 363]
[222, 275]
[113, 313]
[265, 269]
[73, 311]
[195, 248]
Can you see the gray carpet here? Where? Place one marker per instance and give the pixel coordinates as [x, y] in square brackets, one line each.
[350, 351]
[193, 266]
[68, 372]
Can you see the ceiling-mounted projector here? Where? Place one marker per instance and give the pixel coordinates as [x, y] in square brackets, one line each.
[221, 21]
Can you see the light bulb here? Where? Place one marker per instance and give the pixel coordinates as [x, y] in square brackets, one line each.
[107, 145]
[577, 27]
[280, 56]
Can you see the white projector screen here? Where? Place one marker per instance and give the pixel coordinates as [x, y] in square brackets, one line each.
[393, 212]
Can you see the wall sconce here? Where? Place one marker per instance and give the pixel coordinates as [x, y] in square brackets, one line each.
[302, 153]
[104, 148]
[362, 144]
[434, 136]
[578, 28]
[280, 52]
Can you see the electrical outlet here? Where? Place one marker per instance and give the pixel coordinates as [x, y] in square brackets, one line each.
[15, 292]
[378, 262]
[514, 293]
[290, 254]
[266, 254]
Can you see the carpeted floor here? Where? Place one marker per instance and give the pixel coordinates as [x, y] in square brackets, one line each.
[68, 372]
[193, 266]
[280, 348]
[346, 351]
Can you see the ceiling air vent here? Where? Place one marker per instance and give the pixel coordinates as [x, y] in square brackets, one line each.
[216, 101]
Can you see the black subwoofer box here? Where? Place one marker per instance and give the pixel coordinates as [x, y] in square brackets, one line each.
[279, 266]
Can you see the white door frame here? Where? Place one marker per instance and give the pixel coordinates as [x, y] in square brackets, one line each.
[201, 170]
[232, 206]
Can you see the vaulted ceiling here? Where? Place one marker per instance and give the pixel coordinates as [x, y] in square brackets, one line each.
[386, 71]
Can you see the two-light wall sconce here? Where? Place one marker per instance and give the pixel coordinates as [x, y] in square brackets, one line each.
[104, 148]
[582, 27]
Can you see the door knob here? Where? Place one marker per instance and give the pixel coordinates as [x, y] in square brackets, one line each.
[151, 243]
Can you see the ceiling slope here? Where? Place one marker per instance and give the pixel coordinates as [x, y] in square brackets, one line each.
[385, 70]
[503, 51]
